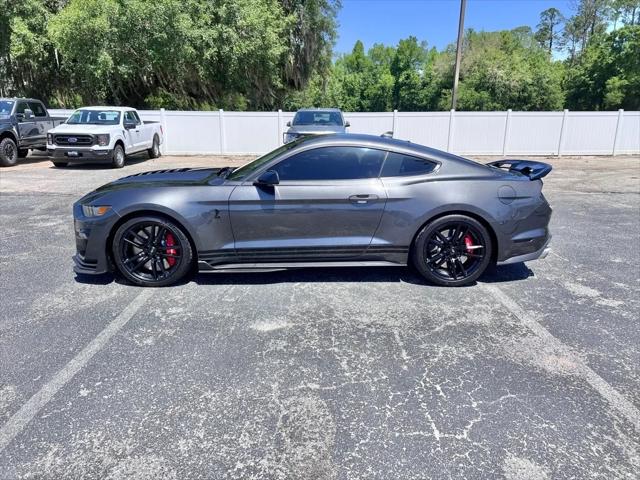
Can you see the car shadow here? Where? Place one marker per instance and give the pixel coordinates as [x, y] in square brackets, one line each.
[131, 160]
[506, 273]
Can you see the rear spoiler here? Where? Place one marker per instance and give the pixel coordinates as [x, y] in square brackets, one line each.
[533, 170]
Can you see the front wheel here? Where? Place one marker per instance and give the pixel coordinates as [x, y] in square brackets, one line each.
[8, 152]
[452, 251]
[152, 251]
[118, 157]
[154, 151]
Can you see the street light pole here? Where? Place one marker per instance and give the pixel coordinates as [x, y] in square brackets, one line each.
[456, 75]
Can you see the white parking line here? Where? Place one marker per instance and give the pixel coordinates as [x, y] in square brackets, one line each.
[29, 410]
[610, 394]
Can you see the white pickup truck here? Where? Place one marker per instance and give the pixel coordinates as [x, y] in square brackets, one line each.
[103, 135]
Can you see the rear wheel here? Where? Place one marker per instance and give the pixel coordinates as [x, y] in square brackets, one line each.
[154, 151]
[152, 251]
[452, 251]
[8, 152]
[118, 157]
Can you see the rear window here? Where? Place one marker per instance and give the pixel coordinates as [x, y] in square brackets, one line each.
[400, 165]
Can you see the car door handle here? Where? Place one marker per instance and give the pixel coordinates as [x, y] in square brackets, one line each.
[361, 199]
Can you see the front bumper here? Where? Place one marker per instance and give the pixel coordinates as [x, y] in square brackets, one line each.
[81, 155]
[91, 235]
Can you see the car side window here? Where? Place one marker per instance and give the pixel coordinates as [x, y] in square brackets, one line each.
[37, 109]
[332, 163]
[130, 117]
[137, 118]
[22, 106]
[400, 165]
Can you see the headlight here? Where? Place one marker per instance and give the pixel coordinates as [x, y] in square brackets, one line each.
[290, 137]
[49, 139]
[94, 211]
[103, 140]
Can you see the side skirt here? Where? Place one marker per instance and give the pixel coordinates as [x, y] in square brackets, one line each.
[276, 266]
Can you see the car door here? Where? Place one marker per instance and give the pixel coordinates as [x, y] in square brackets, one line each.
[42, 123]
[27, 127]
[145, 133]
[134, 135]
[327, 205]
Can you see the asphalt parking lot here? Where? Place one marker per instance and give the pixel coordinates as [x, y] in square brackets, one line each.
[532, 373]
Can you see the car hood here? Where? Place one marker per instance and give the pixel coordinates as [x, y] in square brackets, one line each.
[174, 177]
[316, 129]
[79, 128]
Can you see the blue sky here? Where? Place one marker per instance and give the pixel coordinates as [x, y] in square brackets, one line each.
[436, 21]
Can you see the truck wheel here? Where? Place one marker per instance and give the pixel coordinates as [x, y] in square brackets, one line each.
[60, 164]
[118, 157]
[154, 151]
[8, 152]
[23, 152]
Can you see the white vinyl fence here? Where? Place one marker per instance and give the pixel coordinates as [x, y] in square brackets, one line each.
[472, 133]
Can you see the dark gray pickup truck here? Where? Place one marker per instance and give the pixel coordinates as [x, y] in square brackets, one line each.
[24, 123]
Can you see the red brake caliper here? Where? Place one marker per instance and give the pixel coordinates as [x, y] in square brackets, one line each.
[170, 242]
[468, 241]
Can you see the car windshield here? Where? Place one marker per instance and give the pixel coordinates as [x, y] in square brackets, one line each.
[243, 172]
[320, 117]
[5, 107]
[94, 117]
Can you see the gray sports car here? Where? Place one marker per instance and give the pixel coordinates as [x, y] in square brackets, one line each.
[328, 201]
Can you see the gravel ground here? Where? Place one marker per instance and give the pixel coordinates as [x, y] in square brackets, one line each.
[532, 373]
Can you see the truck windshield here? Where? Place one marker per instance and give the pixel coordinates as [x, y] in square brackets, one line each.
[6, 106]
[94, 117]
[317, 118]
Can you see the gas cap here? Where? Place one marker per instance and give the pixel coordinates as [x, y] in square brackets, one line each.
[506, 194]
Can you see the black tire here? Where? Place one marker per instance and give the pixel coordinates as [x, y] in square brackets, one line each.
[154, 151]
[144, 247]
[8, 152]
[118, 157]
[23, 152]
[452, 251]
[60, 164]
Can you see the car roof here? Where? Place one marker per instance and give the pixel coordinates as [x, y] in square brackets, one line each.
[105, 107]
[15, 99]
[384, 143]
[319, 109]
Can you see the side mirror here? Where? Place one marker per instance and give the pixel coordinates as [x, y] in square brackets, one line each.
[28, 114]
[267, 179]
[128, 124]
[346, 124]
[289, 123]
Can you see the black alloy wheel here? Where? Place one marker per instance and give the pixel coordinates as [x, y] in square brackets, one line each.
[152, 251]
[453, 250]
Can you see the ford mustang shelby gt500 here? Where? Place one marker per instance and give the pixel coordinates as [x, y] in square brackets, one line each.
[328, 201]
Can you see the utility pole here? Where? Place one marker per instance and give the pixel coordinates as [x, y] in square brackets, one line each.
[454, 95]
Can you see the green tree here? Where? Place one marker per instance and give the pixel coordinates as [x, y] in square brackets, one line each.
[548, 33]
[608, 76]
